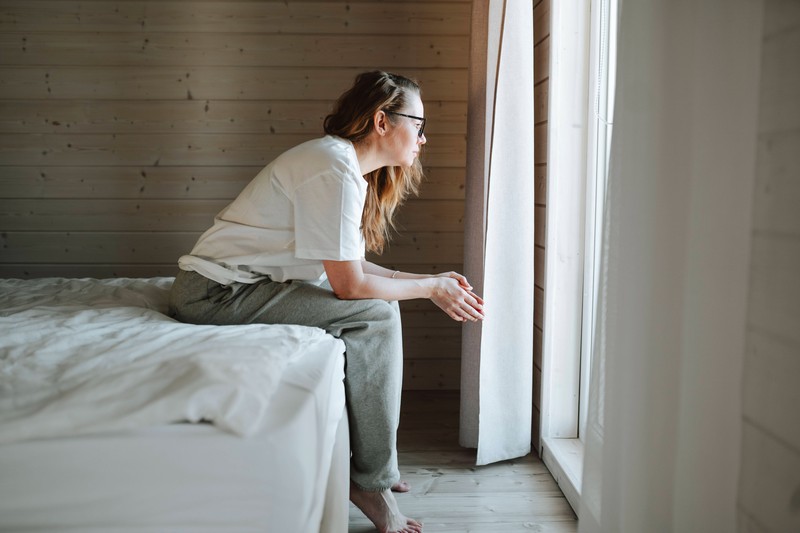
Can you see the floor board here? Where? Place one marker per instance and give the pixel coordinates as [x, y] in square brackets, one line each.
[450, 494]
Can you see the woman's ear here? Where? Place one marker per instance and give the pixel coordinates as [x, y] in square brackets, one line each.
[380, 122]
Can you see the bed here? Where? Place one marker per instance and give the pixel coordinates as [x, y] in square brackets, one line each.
[114, 417]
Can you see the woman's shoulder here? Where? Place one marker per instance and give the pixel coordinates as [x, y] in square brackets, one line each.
[324, 154]
[329, 146]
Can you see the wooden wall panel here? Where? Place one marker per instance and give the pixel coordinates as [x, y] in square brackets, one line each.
[189, 116]
[111, 82]
[541, 53]
[229, 49]
[126, 125]
[182, 215]
[770, 469]
[317, 17]
[107, 247]
[157, 149]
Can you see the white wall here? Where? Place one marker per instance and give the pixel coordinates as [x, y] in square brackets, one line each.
[769, 497]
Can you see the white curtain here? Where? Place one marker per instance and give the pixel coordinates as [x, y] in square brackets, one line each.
[497, 355]
[662, 444]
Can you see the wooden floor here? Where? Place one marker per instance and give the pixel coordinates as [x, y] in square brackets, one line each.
[449, 493]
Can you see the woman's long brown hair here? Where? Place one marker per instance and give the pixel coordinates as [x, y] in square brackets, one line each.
[352, 119]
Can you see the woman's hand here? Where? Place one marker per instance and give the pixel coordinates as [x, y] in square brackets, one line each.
[453, 294]
[462, 280]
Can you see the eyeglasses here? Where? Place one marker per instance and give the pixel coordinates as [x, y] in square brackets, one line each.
[421, 127]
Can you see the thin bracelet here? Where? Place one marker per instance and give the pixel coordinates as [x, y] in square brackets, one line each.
[396, 272]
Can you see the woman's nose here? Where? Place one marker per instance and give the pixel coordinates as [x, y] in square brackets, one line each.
[421, 139]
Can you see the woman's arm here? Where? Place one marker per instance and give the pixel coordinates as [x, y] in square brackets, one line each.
[352, 280]
[377, 270]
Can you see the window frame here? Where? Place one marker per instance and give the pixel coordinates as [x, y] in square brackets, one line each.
[573, 205]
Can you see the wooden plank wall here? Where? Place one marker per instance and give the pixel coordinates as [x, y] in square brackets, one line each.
[541, 74]
[769, 482]
[126, 125]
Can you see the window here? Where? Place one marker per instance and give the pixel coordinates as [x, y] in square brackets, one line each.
[602, 67]
[583, 50]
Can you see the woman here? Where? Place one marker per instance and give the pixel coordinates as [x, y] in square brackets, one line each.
[290, 250]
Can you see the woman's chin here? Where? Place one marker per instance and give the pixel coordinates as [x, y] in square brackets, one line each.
[405, 163]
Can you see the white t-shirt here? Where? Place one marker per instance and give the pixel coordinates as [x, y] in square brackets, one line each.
[302, 208]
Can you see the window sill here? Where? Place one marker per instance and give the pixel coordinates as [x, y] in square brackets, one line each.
[564, 459]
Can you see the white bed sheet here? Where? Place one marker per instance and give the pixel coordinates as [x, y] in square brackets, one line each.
[194, 478]
[82, 356]
[146, 474]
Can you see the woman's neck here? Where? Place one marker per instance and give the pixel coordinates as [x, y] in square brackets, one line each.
[369, 158]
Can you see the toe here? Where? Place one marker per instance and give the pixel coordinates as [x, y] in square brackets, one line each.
[401, 486]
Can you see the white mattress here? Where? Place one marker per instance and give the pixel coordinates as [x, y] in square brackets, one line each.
[82, 356]
[288, 477]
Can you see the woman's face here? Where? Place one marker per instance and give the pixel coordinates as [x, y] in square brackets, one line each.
[403, 140]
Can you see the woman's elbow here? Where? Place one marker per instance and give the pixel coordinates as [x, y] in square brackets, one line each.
[345, 292]
[342, 295]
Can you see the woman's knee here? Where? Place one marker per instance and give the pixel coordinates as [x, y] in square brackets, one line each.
[382, 311]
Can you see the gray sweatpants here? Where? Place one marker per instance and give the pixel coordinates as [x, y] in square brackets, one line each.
[372, 336]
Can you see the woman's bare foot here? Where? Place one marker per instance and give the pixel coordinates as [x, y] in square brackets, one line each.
[401, 486]
[381, 508]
